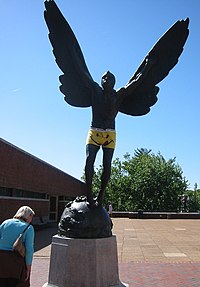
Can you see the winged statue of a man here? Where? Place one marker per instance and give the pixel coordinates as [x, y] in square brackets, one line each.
[135, 98]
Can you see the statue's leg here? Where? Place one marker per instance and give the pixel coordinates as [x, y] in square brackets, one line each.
[107, 160]
[91, 152]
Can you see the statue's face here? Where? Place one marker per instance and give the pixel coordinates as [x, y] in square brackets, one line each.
[108, 81]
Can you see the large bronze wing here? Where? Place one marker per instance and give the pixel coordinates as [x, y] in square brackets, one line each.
[165, 56]
[77, 83]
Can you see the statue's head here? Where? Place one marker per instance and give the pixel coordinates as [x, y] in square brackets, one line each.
[108, 81]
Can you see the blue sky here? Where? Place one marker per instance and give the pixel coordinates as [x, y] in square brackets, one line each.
[114, 35]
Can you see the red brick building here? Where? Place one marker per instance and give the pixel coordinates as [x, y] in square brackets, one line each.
[27, 180]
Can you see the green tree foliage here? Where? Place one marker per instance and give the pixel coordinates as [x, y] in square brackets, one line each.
[144, 181]
[193, 203]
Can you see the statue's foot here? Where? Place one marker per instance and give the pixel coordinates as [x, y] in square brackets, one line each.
[99, 199]
[91, 203]
[95, 203]
[99, 203]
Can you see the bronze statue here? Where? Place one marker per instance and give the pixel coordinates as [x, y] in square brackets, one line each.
[133, 99]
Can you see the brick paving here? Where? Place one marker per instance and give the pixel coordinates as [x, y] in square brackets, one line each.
[160, 252]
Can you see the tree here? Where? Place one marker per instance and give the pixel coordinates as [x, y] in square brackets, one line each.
[193, 199]
[144, 181]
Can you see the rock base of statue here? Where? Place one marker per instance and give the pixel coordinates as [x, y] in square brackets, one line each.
[84, 262]
[79, 220]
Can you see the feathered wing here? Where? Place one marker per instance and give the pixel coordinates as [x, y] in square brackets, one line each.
[77, 83]
[165, 56]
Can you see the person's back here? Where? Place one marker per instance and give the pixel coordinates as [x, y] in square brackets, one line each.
[10, 229]
[14, 268]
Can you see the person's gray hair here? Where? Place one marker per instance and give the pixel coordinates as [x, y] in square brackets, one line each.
[23, 212]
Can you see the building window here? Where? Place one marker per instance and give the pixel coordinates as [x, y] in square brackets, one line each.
[13, 192]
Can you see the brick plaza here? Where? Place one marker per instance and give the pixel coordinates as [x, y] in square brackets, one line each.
[159, 252]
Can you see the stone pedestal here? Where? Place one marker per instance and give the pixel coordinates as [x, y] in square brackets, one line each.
[83, 263]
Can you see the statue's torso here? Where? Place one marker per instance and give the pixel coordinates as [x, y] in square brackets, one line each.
[104, 109]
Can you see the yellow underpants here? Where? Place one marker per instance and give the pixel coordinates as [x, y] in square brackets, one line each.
[104, 138]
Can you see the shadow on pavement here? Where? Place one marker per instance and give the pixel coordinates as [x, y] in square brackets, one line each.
[43, 237]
